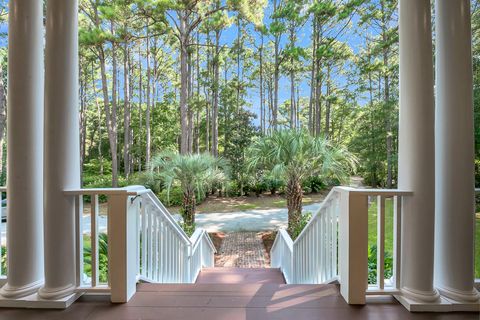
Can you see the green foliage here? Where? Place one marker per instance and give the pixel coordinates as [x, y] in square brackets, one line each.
[102, 257]
[302, 223]
[313, 184]
[291, 154]
[195, 174]
[3, 262]
[188, 228]
[372, 264]
[174, 197]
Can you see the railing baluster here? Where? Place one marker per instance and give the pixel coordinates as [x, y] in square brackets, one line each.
[79, 239]
[381, 242]
[150, 241]
[155, 247]
[397, 224]
[139, 204]
[94, 239]
[162, 251]
[335, 235]
[144, 238]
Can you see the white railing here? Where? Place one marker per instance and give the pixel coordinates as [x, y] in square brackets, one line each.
[315, 249]
[282, 254]
[144, 243]
[328, 248]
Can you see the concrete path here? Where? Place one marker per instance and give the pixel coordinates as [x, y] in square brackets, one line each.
[242, 250]
[250, 220]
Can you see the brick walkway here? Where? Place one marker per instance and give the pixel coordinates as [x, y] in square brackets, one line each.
[242, 250]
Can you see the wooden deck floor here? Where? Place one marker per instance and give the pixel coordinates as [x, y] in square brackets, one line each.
[230, 302]
[241, 276]
[232, 294]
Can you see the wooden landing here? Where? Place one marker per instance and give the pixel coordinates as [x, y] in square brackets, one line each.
[240, 276]
[236, 295]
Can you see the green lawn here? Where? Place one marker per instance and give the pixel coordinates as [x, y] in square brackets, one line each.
[372, 231]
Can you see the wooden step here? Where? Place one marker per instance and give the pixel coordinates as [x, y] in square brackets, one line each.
[241, 276]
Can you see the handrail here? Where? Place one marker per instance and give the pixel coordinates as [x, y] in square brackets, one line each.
[144, 242]
[282, 254]
[322, 252]
[324, 203]
[181, 233]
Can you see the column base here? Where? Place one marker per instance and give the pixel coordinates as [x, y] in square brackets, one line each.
[34, 301]
[421, 296]
[56, 293]
[461, 300]
[12, 292]
[412, 305]
[462, 296]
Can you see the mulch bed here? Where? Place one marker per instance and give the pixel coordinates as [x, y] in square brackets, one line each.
[217, 239]
[268, 238]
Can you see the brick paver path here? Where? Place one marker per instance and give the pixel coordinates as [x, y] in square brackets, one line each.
[242, 250]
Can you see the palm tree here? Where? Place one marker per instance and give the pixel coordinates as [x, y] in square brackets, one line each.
[195, 173]
[295, 156]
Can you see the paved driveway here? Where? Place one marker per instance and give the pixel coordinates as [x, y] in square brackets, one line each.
[250, 220]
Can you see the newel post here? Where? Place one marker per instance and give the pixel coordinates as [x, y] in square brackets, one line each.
[353, 249]
[122, 246]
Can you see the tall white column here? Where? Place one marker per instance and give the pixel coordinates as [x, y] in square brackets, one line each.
[62, 152]
[455, 206]
[416, 163]
[25, 149]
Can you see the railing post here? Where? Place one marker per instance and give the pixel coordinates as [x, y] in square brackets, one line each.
[122, 246]
[353, 258]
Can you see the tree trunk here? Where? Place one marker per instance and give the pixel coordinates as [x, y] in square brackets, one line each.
[312, 77]
[126, 112]
[262, 104]
[147, 113]
[189, 207]
[276, 74]
[113, 143]
[216, 79]
[388, 123]
[83, 125]
[328, 104]
[183, 84]
[294, 195]
[140, 112]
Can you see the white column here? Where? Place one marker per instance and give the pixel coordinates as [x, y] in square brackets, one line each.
[25, 149]
[416, 163]
[62, 152]
[455, 207]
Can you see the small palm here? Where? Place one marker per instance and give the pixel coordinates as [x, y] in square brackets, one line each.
[295, 156]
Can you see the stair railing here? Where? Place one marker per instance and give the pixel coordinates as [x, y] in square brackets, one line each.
[144, 243]
[334, 244]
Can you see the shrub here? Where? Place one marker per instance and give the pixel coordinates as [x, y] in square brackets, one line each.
[313, 184]
[302, 223]
[372, 265]
[189, 229]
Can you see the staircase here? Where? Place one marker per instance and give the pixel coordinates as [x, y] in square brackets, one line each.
[240, 276]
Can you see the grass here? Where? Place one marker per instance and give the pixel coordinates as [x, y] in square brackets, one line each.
[372, 225]
[372, 231]
[264, 201]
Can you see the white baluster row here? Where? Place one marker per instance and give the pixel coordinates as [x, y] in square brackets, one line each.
[384, 285]
[315, 249]
[282, 255]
